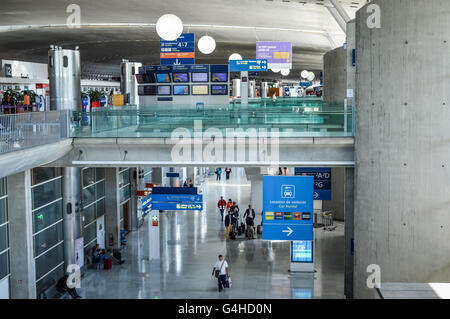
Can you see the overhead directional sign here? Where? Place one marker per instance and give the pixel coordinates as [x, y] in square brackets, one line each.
[176, 201]
[180, 51]
[288, 207]
[277, 54]
[248, 65]
[322, 180]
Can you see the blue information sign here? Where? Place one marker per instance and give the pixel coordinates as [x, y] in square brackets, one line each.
[248, 65]
[180, 51]
[322, 180]
[288, 207]
[176, 202]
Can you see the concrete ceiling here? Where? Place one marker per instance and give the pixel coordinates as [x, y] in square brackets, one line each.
[115, 29]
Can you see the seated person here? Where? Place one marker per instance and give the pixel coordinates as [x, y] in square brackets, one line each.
[61, 287]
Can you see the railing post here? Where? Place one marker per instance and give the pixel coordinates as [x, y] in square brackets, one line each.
[345, 117]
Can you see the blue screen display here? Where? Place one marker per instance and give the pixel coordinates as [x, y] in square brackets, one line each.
[302, 251]
[219, 77]
[180, 77]
[163, 77]
[181, 90]
[199, 77]
[219, 89]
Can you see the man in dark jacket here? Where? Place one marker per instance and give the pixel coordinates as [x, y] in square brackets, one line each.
[229, 222]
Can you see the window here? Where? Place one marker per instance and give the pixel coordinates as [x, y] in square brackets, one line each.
[46, 193]
[47, 216]
[88, 176]
[48, 238]
[88, 195]
[49, 260]
[89, 214]
[3, 238]
[49, 280]
[90, 232]
[4, 264]
[3, 210]
[42, 174]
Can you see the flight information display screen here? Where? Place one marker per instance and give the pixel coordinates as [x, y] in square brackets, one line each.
[200, 90]
[219, 89]
[302, 251]
[139, 78]
[149, 90]
[163, 77]
[181, 90]
[141, 90]
[180, 77]
[164, 90]
[219, 77]
[149, 78]
[199, 77]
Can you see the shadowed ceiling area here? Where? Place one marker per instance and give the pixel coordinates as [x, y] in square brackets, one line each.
[112, 30]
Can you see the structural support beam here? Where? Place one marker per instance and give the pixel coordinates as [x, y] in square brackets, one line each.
[338, 18]
[340, 10]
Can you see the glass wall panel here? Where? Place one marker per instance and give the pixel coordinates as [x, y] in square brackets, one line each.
[46, 216]
[4, 264]
[48, 238]
[3, 210]
[100, 208]
[100, 187]
[2, 187]
[42, 174]
[99, 173]
[49, 280]
[88, 176]
[88, 195]
[49, 260]
[89, 214]
[124, 194]
[4, 237]
[46, 193]
[124, 178]
[90, 232]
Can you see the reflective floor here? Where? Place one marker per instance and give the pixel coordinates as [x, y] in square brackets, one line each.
[190, 245]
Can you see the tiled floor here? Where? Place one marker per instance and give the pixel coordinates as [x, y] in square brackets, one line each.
[190, 245]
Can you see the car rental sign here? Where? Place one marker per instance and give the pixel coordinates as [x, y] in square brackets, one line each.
[288, 210]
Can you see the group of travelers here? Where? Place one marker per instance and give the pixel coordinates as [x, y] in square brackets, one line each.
[232, 219]
[188, 183]
[219, 173]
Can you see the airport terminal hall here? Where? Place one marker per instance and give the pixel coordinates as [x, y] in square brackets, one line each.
[224, 158]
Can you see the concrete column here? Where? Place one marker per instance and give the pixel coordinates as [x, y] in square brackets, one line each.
[23, 268]
[334, 76]
[72, 217]
[190, 172]
[336, 204]
[134, 180]
[402, 147]
[257, 197]
[112, 206]
[351, 45]
[157, 175]
[349, 230]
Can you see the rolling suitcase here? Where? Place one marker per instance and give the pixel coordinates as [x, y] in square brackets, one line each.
[107, 264]
[259, 229]
[232, 235]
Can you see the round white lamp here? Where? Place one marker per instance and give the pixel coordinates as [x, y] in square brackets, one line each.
[206, 44]
[235, 56]
[275, 70]
[169, 27]
[285, 72]
[304, 74]
[311, 76]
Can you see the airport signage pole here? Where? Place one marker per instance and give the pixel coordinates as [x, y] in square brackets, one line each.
[288, 210]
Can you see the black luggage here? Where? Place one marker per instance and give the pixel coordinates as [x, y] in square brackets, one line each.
[259, 230]
[232, 235]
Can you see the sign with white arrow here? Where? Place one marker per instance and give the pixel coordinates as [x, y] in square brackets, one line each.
[288, 207]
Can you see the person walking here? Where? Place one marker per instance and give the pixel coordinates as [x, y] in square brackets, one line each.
[229, 219]
[220, 271]
[229, 204]
[249, 216]
[227, 172]
[218, 173]
[222, 204]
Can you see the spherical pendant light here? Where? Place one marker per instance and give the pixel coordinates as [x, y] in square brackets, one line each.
[169, 27]
[311, 76]
[304, 74]
[206, 44]
[275, 70]
[285, 72]
[235, 56]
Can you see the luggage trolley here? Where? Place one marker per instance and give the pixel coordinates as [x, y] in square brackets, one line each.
[327, 219]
